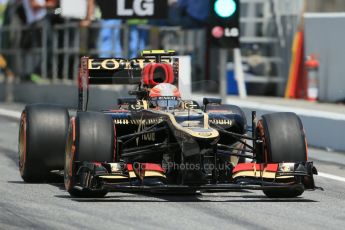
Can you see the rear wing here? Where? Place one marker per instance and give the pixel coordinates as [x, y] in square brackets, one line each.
[120, 71]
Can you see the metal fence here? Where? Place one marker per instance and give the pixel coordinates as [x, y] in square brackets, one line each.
[53, 52]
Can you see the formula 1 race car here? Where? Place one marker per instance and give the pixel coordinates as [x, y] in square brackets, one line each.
[158, 142]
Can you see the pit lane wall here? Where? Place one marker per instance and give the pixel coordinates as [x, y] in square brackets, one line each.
[67, 95]
[323, 129]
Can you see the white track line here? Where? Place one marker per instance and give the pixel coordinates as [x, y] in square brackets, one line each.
[281, 108]
[332, 177]
[324, 15]
[262, 106]
[10, 113]
[16, 115]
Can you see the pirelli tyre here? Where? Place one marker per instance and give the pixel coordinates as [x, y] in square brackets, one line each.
[283, 141]
[42, 138]
[91, 137]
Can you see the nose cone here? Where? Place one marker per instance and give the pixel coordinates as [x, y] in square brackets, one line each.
[204, 133]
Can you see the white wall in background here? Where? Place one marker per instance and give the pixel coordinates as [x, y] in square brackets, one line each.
[185, 77]
[325, 36]
[73, 8]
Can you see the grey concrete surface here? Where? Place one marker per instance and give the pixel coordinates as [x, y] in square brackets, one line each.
[48, 206]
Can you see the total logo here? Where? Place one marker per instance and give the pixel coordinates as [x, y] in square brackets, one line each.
[219, 32]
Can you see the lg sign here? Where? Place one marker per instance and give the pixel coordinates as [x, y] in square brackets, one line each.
[133, 8]
[219, 32]
[140, 8]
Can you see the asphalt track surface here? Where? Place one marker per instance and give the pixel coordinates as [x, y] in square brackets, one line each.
[49, 206]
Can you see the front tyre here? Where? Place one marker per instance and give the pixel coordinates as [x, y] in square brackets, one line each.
[283, 141]
[91, 138]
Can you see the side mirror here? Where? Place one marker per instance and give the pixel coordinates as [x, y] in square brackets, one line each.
[141, 94]
[128, 100]
[209, 100]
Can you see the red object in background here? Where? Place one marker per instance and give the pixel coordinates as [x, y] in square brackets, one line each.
[297, 83]
[311, 73]
[217, 31]
[300, 90]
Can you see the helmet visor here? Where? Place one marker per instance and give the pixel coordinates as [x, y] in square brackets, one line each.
[165, 102]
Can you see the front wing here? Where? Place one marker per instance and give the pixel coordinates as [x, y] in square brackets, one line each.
[121, 177]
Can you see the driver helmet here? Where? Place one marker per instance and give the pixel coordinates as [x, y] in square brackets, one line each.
[165, 95]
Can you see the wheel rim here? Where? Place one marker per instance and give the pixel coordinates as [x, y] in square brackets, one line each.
[70, 151]
[261, 134]
[306, 145]
[22, 144]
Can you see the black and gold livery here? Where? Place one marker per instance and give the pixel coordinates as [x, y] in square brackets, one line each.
[138, 146]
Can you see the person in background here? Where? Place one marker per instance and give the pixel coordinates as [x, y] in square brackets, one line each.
[3, 5]
[194, 13]
[109, 37]
[137, 36]
[36, 10]
[38, 20]
[188, 13]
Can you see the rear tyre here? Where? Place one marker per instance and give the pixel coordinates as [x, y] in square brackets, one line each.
[284, 141]
[42, 138]
[91, 137]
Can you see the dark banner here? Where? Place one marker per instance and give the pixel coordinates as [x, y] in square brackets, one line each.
[122, 71]
[144, 9]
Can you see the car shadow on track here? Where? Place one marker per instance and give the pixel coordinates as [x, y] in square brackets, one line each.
[53, 180]
[236, 196]
[153, 198]
[16, 182]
